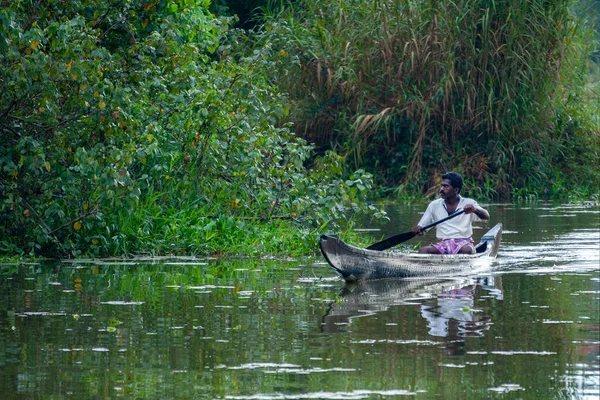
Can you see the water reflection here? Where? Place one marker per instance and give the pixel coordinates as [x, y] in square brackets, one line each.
[447, 305]
[454, 314]
[273, 329]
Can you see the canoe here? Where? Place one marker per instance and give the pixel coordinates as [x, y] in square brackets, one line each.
[354, 263]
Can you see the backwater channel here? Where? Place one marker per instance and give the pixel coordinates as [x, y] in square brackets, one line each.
[273, 329]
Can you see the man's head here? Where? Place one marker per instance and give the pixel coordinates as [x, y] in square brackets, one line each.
[455, 179]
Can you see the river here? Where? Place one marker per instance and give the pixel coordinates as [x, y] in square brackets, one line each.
[270, 329]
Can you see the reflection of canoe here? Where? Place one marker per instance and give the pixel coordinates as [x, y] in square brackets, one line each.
[381, 293]
[445, 303]
[353, 263]
[363, 298]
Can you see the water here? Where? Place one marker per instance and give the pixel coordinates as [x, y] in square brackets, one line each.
[268, 329]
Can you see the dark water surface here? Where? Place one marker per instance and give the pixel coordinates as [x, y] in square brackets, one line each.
[266, 329]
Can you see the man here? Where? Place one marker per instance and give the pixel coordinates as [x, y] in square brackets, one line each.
[455, 235]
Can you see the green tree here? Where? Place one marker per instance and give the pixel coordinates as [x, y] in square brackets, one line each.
[117, 117]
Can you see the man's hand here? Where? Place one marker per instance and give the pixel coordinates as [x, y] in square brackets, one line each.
[417, 230]
[469, 208]
[481, 212]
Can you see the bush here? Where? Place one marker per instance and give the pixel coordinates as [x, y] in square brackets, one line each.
[123, 121]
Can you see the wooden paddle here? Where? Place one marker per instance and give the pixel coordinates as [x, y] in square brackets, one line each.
[403, 237]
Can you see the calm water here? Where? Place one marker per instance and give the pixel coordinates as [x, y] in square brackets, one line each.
[265, 329]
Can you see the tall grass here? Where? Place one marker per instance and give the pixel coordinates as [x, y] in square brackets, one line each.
[410, 89]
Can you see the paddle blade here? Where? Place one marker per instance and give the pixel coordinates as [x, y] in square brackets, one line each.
[392, 241]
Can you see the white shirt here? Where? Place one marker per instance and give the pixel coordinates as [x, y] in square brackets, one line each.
[455, 228]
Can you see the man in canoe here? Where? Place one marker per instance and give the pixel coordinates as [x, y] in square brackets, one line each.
[455, 235]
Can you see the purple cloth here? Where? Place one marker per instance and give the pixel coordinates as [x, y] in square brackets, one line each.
[452, 246]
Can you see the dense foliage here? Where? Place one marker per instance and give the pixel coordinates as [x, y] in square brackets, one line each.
[159, 126]
[499, 91]
[131, 126]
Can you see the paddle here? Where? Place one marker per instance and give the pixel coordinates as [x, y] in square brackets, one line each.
[403, 237]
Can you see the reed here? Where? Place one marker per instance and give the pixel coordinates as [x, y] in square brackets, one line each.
[410, 88]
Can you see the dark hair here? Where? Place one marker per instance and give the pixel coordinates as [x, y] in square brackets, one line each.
[456, 181]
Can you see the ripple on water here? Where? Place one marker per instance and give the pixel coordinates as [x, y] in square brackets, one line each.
[513, 352]
[210, 287]
[319, 279]
[41, 314]
[586, 379]
[353, 395]
[559, 249]
[273, 368]
[399, 341]
[507, 387]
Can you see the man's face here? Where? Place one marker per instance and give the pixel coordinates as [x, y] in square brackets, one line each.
[446, 190]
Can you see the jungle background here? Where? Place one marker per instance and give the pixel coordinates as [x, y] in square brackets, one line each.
[248, 127]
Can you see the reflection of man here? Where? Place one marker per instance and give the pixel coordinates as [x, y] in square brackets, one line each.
[453, 314]
[452, 306]
[492, 286]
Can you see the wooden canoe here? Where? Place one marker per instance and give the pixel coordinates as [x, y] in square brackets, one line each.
[354, 263]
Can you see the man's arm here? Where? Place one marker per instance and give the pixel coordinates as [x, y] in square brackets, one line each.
[480, 212]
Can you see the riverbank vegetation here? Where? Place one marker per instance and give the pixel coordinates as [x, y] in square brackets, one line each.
[502, 91]
[164, 128]
[131, 127]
